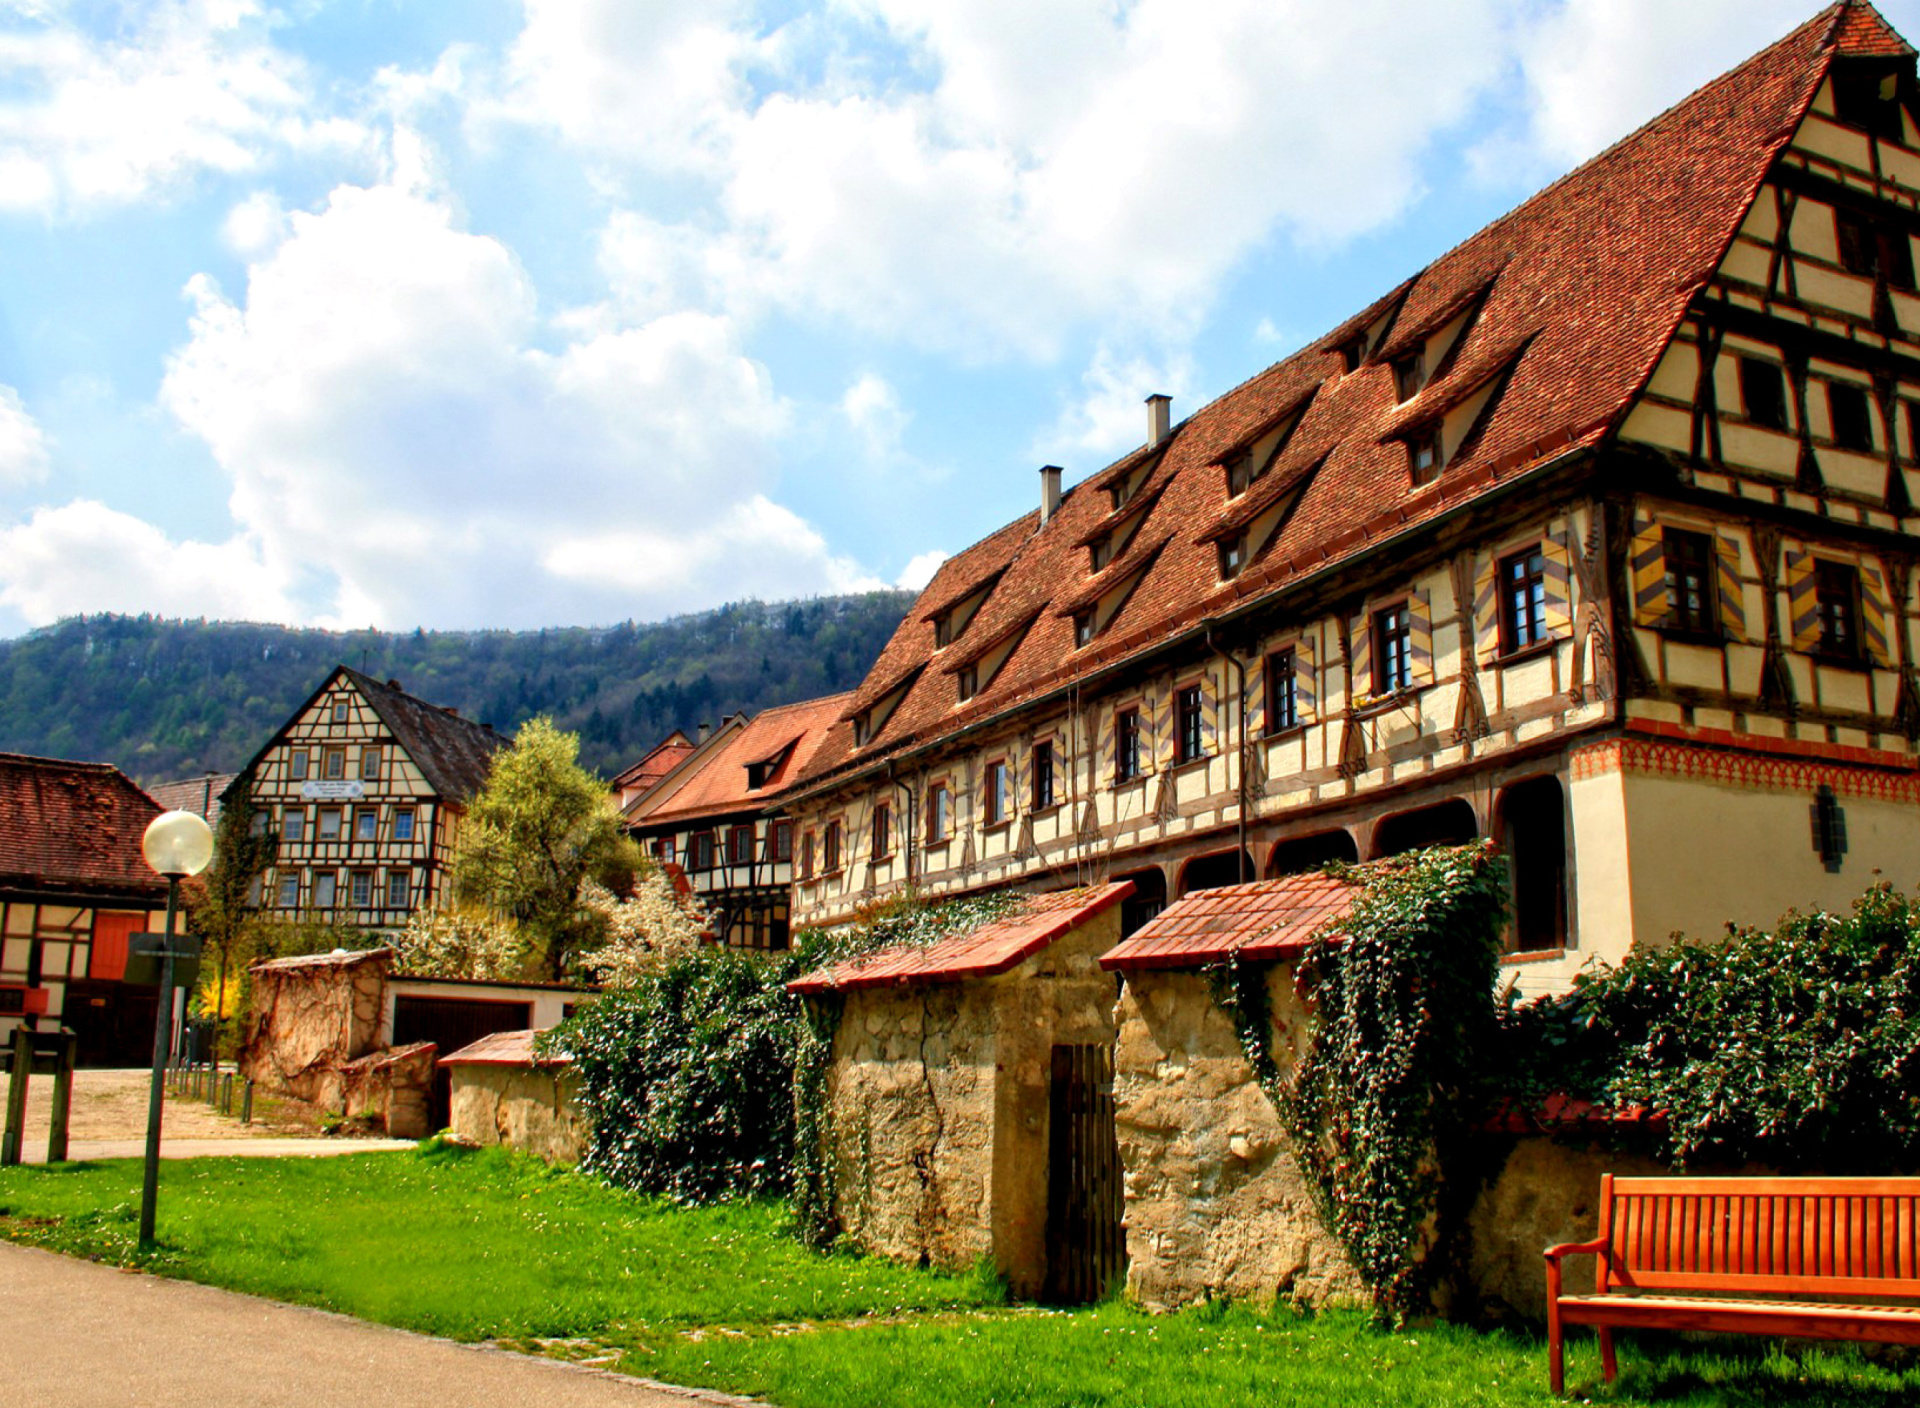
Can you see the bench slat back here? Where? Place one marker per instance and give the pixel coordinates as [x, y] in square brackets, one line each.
[1764, 1236]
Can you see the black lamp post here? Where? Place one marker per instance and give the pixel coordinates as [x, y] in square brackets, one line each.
[177, 844]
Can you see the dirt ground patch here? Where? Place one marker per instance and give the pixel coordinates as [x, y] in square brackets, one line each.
[111, 1105]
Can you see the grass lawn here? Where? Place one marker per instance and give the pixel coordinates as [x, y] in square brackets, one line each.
[489, 1245]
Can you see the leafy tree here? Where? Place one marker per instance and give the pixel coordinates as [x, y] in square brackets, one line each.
[535, 835]
[221, 906]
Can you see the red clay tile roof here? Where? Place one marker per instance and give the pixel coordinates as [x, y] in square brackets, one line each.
[979, 953]
[717, 784]
[1265, 920]
[664, 758]
[503, 1049]
[1591, 277]
[74, 828]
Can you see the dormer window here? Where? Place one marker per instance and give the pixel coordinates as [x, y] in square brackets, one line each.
[1867, 95]
[862, 729]
[1353, 352]
[1233, 556]
[1409, 375]
[1239, 474]
[968, 682]
[1082, 629]
[943, 630]
[1100, 552]
[1427, 454]
[757, 775]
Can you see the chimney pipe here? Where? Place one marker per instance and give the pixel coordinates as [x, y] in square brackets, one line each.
[706, 729]
[1049, 492]
[1159, 418]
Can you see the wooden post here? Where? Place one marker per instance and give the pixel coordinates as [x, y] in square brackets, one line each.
[62, 1098]
[16, 1132]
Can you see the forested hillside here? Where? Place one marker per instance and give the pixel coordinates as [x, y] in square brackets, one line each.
[172, 699]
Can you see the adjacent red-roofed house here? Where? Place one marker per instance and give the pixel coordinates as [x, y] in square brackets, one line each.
[636, 781]
[73, 887]
[1594, 537]
[968, 1102]
[716, 815]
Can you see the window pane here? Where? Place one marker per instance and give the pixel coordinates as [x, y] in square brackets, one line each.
[1283, 702]
[398, 884]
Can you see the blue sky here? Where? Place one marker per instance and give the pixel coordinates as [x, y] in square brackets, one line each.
[480, 313]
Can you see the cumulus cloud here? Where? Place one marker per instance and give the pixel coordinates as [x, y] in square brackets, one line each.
[920, 569]
[1015, 168]
[875, 416]
[86, 557]
[23, 445]
[400, 422]
[181, 87]
[1595, 70]
[1109, 414]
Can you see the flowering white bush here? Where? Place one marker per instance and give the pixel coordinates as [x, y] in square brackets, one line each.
[643, 933]
[465, 942]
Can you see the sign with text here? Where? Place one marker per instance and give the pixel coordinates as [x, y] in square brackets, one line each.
[334, 791]
[145, 953]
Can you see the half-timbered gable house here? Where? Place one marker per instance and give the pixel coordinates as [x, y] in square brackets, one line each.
[1594, 536]
[719, 817]
[74, 888]
[365, 787]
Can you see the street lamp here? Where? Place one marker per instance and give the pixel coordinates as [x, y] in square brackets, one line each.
[177, 844]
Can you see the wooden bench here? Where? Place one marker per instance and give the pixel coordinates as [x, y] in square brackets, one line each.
[1806, 1258]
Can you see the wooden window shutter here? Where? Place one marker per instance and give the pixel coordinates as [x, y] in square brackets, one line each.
[1256, 705]
[1876, 616]
[1557, 590]
[1156, 721]
[1803, 601]
[1306, 676]
[1360, 647]
[1649, 561]
[1733, 601]
[1486, 610]
[1209, 714]
[1420, 631]
[1110, 726]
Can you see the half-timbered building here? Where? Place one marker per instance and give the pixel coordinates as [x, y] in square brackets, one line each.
[365, 787]
[719, 817]
[1595, 536]
[74, 888]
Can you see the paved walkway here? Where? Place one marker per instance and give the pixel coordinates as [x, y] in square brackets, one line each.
[77, 1335]
[261, 1147]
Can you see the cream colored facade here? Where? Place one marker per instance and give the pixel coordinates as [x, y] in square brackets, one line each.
[1678, 771]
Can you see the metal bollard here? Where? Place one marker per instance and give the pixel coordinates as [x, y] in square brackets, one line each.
[246, 1102]
[226, 1093]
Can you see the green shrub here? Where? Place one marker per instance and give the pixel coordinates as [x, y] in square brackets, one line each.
[1797, 1048]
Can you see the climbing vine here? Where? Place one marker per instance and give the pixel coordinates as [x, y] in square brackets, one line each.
[1401, 1020]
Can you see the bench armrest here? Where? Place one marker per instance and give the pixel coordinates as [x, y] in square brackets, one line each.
[1597, 1247]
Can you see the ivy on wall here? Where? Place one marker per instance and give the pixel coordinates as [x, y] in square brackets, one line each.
[1401, 1019]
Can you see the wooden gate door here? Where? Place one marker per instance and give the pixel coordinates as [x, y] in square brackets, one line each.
[451, 1023]
[1086, 1241]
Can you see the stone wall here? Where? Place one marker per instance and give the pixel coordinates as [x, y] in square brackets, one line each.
[938, 1106]
[389, 1089]
[525, 1107]
[309, 1017]
[1216, 1206]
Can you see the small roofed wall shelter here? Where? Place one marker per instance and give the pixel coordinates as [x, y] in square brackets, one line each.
[74, 888]
[1594, 537]
[504, 1094]
[715, 817]
[365, 786]
[968, 1101]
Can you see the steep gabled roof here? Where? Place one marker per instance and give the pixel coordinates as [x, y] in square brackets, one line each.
[995, 947]
[454, 754]
[199, 795]
[781, 742]
[1574, 296]
[74, 828]
[658, 762]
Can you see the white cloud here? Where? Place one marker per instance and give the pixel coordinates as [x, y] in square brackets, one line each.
[86, 557]
[1597, 69]
[23, 445]
[920, 569]
[1110, 415]
[1014, 168]
[399, 422]
[255, 225]
[873, 412]
[179, 87]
